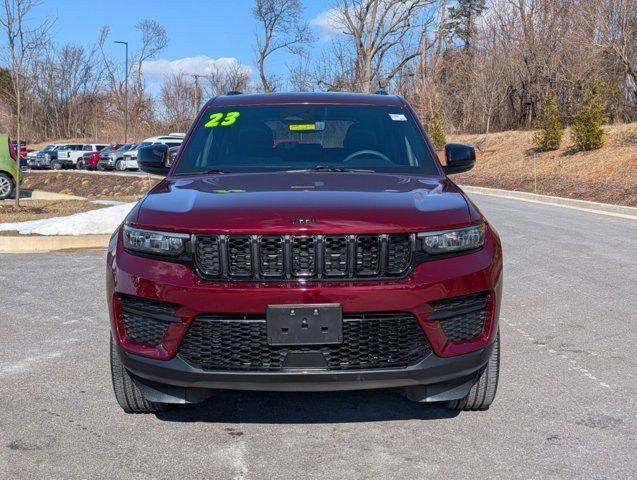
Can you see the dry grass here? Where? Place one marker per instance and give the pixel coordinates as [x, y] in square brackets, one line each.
[115, 187]
[508, 160]
[36, 209]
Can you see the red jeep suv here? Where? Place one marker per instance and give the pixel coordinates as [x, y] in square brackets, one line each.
[305, 242]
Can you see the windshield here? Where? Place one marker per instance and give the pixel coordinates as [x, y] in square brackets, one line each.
[48, 147]
[123, 148]
[297, 137]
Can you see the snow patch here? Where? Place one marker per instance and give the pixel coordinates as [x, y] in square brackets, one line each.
[107, 202]
[100, 221]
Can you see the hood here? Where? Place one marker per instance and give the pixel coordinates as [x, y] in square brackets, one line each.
[273, 203]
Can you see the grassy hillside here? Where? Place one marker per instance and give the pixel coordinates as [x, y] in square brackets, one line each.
[507, 160]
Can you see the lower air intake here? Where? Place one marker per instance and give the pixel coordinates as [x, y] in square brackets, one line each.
[239, 342]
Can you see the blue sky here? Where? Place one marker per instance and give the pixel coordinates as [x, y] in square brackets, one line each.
[196, 28]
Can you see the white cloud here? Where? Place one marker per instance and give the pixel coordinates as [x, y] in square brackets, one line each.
[329, 22]
[155, 70]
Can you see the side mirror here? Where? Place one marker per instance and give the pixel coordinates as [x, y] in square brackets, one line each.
[152, 159]
[460, 158]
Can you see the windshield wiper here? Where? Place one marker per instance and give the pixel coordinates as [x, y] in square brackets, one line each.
[325, 168]
[217, 171]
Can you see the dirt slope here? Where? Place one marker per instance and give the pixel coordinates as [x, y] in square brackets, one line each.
[507, 160]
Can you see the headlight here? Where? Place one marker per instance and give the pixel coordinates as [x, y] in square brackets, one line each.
[148, 241]
[456, 240]
[47, 156]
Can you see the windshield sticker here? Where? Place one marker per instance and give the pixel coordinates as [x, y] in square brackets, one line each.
[307, 127]
[303, 127]
[219, 119]
[397, 117]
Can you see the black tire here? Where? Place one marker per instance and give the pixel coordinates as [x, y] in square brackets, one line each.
[7, 181]
[80, 164]
[482, 393]
[118, 166]
[128, 395]
[100, 167]
[56, 165]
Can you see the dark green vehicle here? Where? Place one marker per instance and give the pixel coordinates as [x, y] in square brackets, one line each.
[9, 170]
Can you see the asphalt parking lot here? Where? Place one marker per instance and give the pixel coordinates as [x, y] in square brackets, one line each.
[565, 406]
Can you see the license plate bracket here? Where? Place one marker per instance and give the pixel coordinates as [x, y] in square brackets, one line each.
[307, 324]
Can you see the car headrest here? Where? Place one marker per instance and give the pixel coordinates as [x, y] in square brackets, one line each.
[255, 140]
[360, 138]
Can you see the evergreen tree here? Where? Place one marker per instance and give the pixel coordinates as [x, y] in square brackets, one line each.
[436, 131]
[550, 130]
[587, 131]
[462, 20]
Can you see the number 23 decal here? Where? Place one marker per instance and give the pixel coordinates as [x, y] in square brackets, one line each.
[221, 119]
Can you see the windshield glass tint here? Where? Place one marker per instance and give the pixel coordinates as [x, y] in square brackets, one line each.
[290, 137]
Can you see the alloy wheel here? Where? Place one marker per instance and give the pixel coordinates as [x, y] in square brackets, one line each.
[5, 186]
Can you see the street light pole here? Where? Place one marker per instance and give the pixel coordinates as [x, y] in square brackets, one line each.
[125, 92]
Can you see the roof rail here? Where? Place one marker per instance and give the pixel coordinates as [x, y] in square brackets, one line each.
[380, 92]
[234, 92]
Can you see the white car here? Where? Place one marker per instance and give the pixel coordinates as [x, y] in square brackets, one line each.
[129, 162]
[68, 158]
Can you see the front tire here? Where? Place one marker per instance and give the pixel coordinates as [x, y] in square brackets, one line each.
[482, 392]
[128, 395]
[80, 165]
[6, 186]
[56, 166]
[119, 166]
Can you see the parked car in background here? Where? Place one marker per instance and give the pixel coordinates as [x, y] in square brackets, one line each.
[68, 158]
[108, 160]
[46, 156]
[63, 159]
[90, 160]
[34, 158]
[23, 147]
[129, 159]
[10, 174]
[172, 153]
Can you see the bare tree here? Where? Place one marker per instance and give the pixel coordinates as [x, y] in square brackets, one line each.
[153, 40]
[280, 29]
[230, 78]
[23, 45]
[383, 36]
[177, 94]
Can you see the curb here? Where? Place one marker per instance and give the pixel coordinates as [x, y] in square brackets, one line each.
[34, 244]
[583, 205]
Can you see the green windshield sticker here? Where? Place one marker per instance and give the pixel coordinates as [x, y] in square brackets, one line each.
[219, 119]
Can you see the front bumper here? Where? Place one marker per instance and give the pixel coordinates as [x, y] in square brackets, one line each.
[176, 283]
[430, 371]
[108, 164]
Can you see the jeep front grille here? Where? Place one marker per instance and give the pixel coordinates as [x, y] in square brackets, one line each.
[288, 257]
[239, 342]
